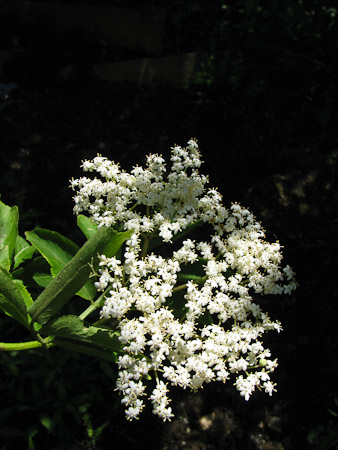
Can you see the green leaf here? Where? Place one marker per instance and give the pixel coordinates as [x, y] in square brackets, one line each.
[205, 319]
[33, 270]
[98, 431]
[9, 219]
[114, 245]
[193, 272]
[85, 348]
[42, 279]
[88, 290]
[30, 434]
[24, 292]
[187, 230]
[12, 301]
[23, 251]
[46, 421]
[55, 248]
[72, 328]
[5, 260]
[190, 277]
[176, 303]
[74, 275]
[86, 225]
[58, 251]
[70, 333]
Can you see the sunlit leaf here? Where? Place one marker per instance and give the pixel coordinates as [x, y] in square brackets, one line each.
[12, 301]
[5, 260]
[46, 421]
[86, 225]
[9, 219]
[23, 251]
[58, 251]
[24, 292]
[74, 275]
[55, 248]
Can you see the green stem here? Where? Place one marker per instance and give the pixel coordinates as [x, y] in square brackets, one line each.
[44, 342]
[253, 368]
[180, 287]
[183, 286]
[95, 305]
[146, 243]
[100, 322]
[17, 346]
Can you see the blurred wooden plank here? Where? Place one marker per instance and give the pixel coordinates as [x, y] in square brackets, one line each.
[177, 70]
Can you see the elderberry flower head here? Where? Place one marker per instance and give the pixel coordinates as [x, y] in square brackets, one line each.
[187, 309]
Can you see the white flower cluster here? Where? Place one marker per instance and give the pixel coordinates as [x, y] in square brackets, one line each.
[187, 312]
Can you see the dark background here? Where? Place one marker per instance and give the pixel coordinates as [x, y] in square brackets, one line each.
[263, 107]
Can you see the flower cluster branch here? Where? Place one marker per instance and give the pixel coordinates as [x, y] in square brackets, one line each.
[189, 315]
